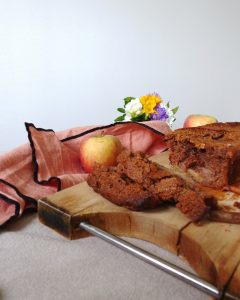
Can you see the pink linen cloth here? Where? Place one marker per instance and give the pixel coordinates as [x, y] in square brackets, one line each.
[50, 162]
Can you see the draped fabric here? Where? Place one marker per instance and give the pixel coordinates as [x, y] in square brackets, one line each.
[50, 162]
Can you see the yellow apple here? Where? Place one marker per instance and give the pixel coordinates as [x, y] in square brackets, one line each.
[102, 149]
[198, 120]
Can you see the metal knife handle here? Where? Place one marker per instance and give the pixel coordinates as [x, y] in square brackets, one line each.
[171, 269]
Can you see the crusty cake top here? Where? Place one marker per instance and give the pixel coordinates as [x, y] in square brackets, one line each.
[216, 135]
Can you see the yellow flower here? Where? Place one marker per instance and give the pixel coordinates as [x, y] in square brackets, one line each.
[149, 102]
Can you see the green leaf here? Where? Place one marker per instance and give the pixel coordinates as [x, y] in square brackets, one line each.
[175, 109]
[127, 100]
[167, 104]
[121, 110]
[140, 118]
[136, 119]
[146, 117]
[120, 118]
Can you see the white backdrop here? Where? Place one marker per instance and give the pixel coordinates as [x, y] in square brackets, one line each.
[66, 63]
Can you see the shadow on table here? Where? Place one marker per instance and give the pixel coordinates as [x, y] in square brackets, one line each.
[1, 295]
[19, 223]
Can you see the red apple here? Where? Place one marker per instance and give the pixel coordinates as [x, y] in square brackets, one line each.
[198, 120]
[102, 149]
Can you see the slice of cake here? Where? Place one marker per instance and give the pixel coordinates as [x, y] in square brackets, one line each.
[210, 153]
[138, 183]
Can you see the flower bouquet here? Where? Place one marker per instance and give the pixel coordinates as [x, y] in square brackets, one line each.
[146, 108]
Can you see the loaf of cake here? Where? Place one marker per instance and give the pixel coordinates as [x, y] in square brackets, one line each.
[138, 184]
[209, 153]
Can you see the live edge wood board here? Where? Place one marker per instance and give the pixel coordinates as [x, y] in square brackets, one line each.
[211, 248]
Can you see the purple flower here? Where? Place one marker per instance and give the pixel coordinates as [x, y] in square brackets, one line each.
[155, 94]
[160, 114]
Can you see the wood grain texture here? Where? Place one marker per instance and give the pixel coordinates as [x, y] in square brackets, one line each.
[234, 285]
[211, 248]
[64, 210]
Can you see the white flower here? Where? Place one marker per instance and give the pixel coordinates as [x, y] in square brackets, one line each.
[127, 117]
[171, 117]
[133, 109]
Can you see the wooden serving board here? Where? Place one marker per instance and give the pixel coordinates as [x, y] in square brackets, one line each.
[211, 248]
